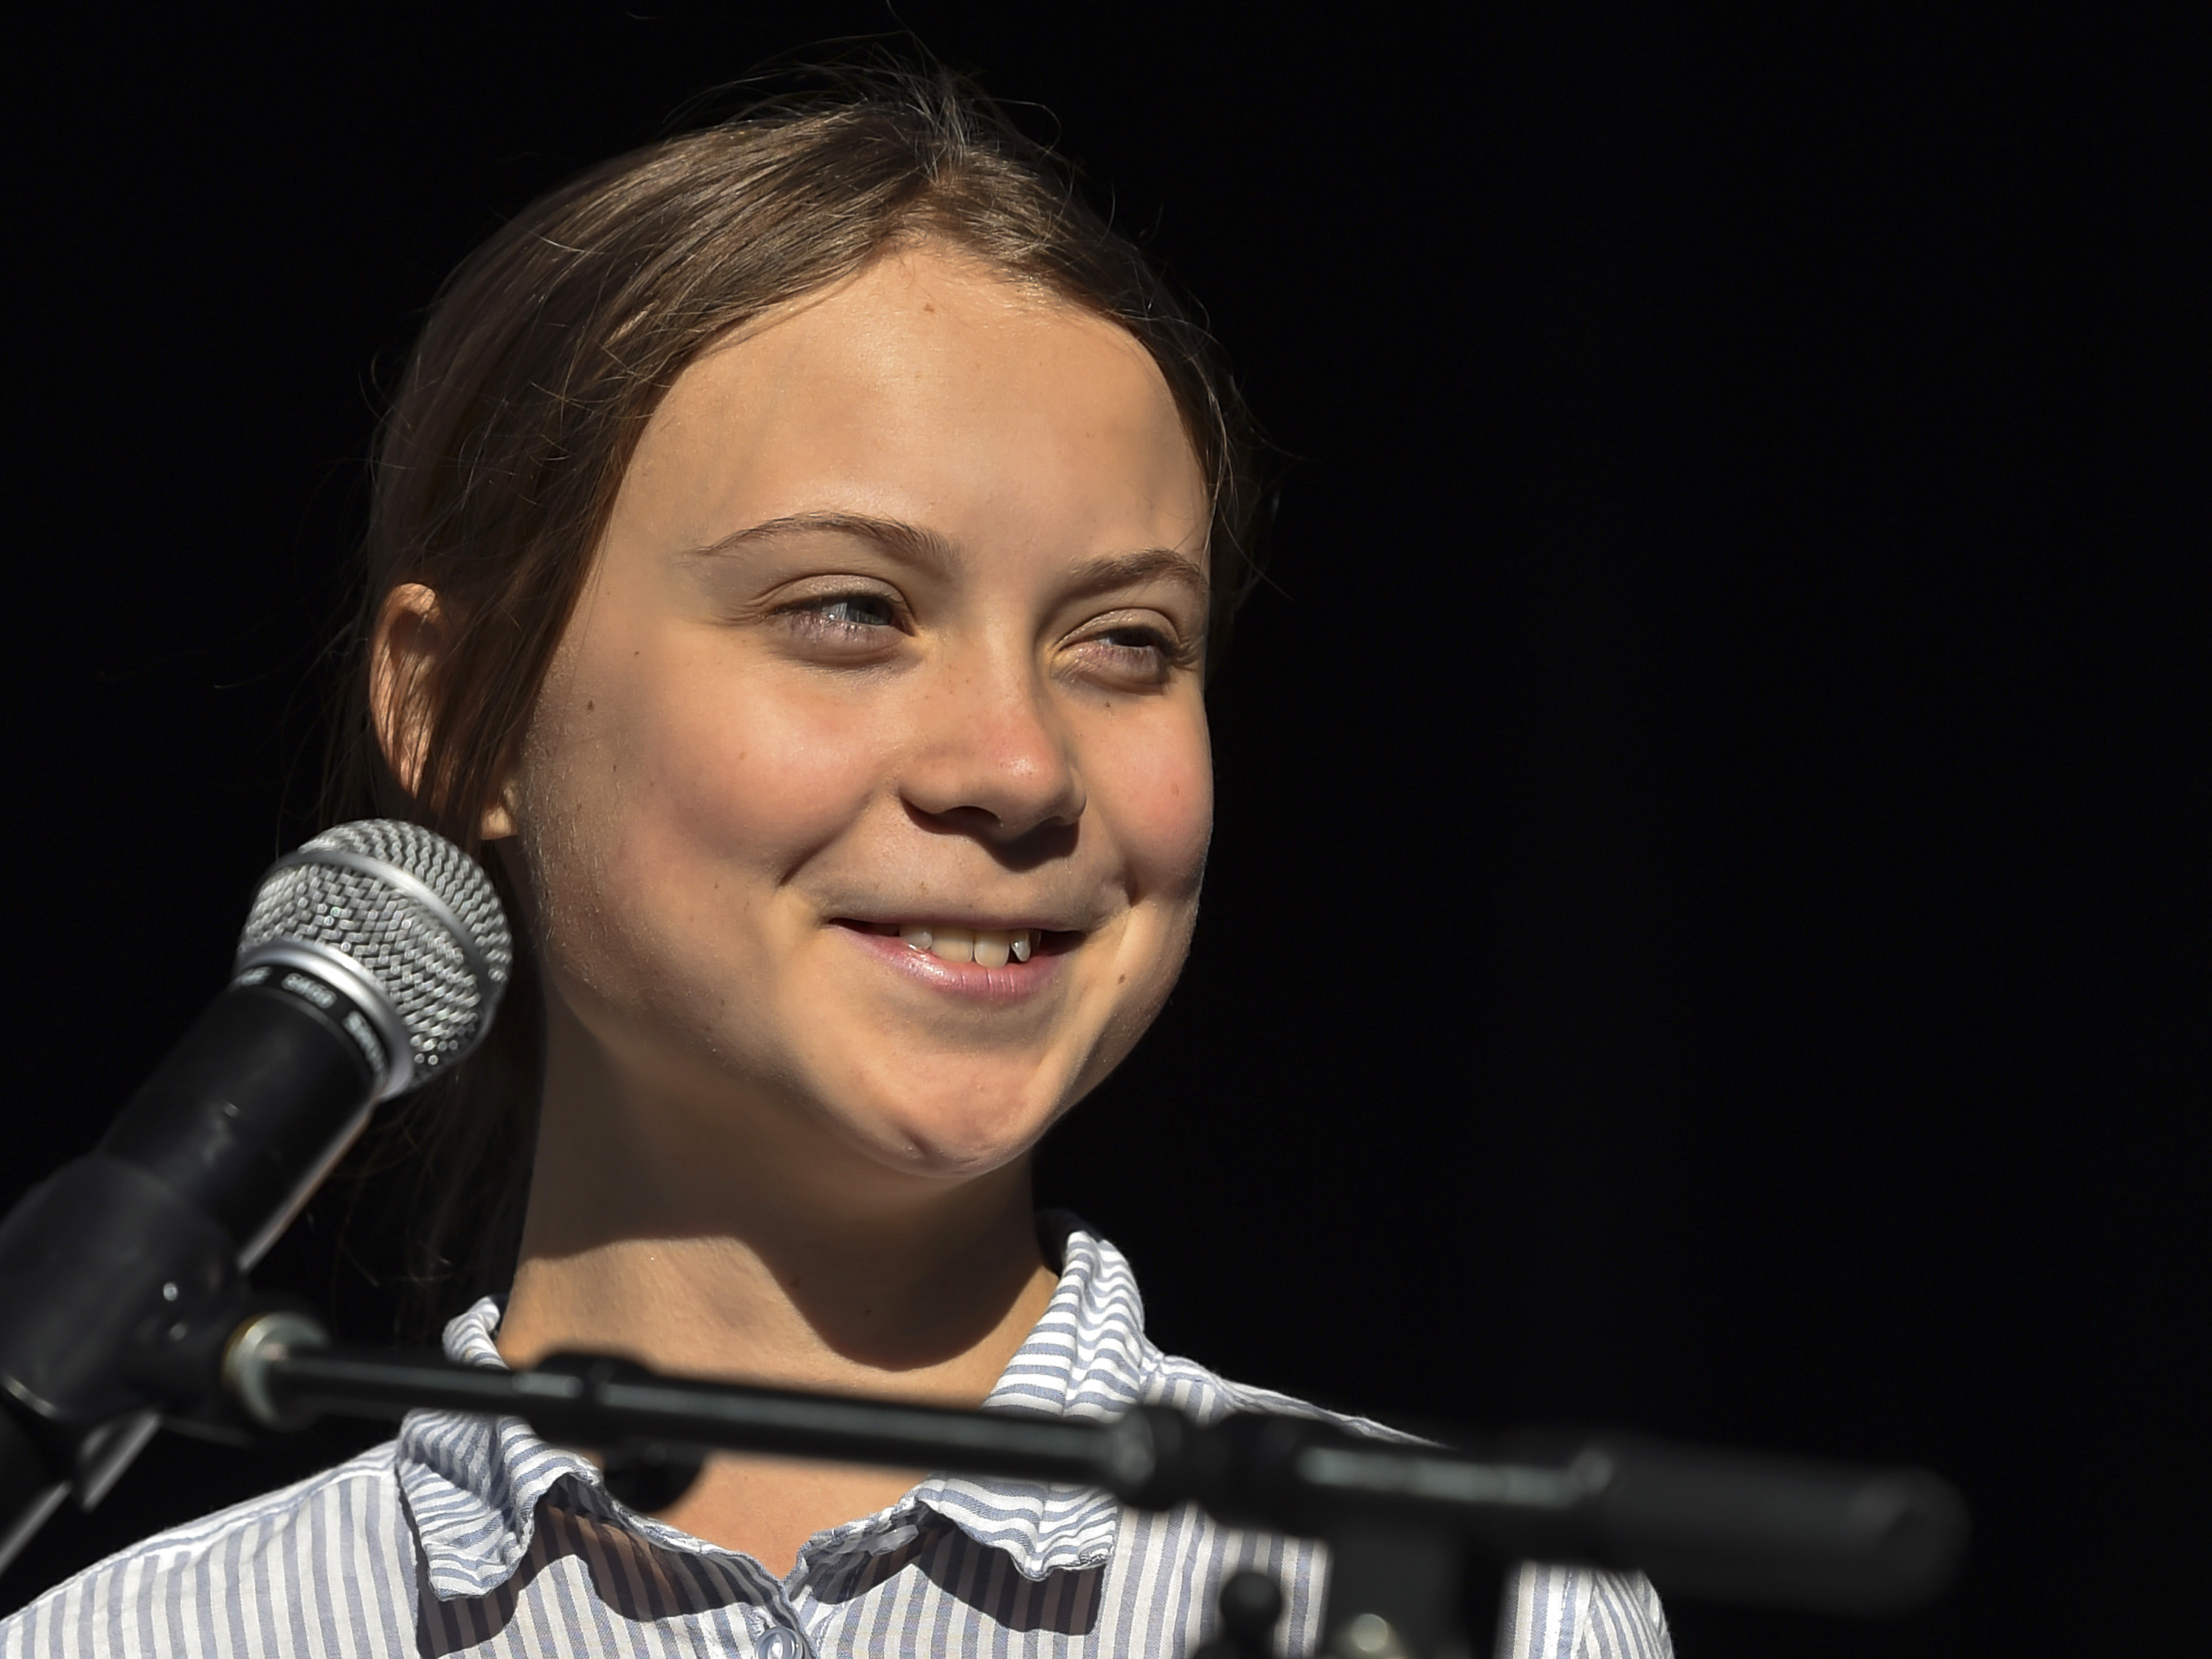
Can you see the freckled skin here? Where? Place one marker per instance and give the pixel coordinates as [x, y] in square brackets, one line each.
[696, 802]
[767, 1149]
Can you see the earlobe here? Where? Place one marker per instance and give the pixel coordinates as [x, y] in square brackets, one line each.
[413, 634]
[409, 642]
[499, 818]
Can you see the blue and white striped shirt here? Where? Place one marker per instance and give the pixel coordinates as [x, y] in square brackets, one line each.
[469, 1535]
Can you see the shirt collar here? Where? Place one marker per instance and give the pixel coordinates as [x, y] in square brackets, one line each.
[472, 1484]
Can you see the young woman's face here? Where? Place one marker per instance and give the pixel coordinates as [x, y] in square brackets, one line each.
[870, 785]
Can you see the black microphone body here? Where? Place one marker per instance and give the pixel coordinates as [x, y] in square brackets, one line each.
[201, 1170]
[248, 1108]
[214, 1154]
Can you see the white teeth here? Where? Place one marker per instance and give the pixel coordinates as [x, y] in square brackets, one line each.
[987, 947]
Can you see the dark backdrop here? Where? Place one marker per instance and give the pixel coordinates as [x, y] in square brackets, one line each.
[1696, 935]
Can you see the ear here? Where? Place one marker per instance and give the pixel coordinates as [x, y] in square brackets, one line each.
[412, 637]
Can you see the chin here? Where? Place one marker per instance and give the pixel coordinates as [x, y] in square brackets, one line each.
[972, 1127]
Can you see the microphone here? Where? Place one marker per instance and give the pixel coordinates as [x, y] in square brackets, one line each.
[372, 961]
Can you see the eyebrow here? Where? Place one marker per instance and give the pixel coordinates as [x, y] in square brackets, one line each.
[906, 543]
[916, 545]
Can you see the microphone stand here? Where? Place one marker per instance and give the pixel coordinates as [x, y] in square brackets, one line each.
[1420, 1537]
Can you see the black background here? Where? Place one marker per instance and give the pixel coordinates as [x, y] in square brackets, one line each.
[1698, 934]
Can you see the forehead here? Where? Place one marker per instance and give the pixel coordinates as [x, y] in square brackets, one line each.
[927, 388]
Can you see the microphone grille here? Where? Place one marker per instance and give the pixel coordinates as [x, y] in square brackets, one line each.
[411, 912]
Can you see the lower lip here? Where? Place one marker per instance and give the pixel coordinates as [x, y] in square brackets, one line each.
[1015, 982]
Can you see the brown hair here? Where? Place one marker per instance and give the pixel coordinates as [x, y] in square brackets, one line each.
[496, 470]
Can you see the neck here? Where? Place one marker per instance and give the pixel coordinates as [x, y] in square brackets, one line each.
[742, 1242]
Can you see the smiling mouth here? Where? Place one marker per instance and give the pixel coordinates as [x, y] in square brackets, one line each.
[987, 947]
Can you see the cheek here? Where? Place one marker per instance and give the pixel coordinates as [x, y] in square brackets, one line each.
[748, 776]
[1155, 779]
[657, 791]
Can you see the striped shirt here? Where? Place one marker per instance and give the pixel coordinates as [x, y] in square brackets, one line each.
[471, 1534]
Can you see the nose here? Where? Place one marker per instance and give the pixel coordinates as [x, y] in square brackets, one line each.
[990, 757]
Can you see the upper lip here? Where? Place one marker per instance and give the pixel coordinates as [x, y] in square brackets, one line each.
[1032, 921]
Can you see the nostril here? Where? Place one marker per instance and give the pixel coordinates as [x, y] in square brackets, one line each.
[1021, 848]
[969, 783]
[1043, 845]
[968, 820]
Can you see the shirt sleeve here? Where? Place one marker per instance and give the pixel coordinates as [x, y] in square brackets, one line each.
[1581, 1613]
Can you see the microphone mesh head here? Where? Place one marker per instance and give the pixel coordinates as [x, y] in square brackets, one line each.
[443, 998]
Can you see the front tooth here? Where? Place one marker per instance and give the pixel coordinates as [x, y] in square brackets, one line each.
[1022, 946]
[992, 949]
[919, 938]
[953, 943]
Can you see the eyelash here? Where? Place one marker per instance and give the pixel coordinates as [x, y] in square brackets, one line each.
[1170, 653]
[814, 615]
[817, 615]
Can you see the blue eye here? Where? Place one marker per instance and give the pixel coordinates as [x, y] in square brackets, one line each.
[1134, 639]
[1135, 652]
[856, 610]
[861, 622]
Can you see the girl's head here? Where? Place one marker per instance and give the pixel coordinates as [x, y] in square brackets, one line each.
[790, 540]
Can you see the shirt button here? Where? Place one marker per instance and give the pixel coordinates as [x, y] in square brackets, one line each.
[777, 1642]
